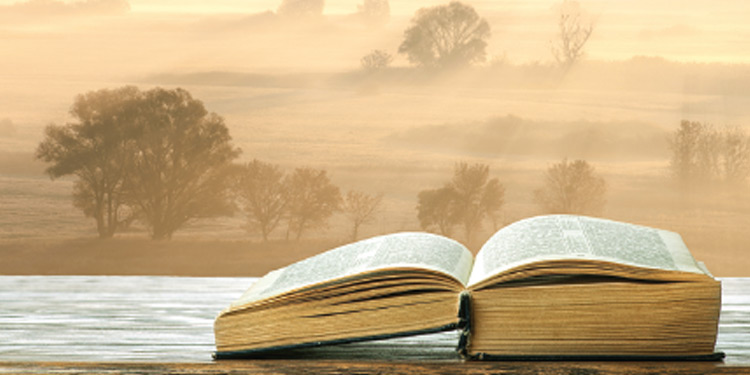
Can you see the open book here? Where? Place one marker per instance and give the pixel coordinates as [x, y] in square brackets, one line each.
[548, 286]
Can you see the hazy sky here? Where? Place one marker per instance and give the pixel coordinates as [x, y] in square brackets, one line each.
[691, 30]
[125, 40]
[64, 47]
[331, 6]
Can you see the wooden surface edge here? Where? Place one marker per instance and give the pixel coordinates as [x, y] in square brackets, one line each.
[370, 367]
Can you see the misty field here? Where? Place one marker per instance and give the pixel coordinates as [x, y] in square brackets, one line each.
[378, 136]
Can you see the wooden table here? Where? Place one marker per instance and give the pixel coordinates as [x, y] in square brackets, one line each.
[150, 325]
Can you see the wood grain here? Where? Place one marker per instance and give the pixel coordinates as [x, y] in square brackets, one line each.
[303, 367]
[144, 324]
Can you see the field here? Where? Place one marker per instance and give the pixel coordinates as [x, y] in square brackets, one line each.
[397, 138]
[293, 93]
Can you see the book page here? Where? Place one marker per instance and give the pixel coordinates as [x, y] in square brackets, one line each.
[420, 250]
[578, 237]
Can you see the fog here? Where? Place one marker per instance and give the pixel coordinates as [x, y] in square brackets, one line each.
[114, 39]
[293, 92]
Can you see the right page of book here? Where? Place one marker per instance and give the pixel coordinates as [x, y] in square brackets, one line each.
[578, 237]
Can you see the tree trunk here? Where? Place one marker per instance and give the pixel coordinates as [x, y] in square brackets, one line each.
[355, 231]
[300, 227]
[161, 232]
[111, 217]
[101, 227]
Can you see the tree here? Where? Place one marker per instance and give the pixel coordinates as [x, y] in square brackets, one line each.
[467, 199]
[684, 146]
[156, 154]
[375, 12]
[573, 33]
[435, 210]
[301, 8]
[261, 189]
[702, 155]
[95, 148]
[446, 36]
[493, 199]
[311, 200]
[736, 156]
[376, 60]
[476, 196]
[572, 188]
[695, 154]
[181, 162]
[360, 208]
[710, 154]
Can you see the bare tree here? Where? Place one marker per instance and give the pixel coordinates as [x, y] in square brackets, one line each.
[261, 189]
[446, 36]
[361, 208]
[572, 188]
[311, 200]
[95, 148]
[574, 31]
[376, 60]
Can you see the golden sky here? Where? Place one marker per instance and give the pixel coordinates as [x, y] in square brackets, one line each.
[691, 30]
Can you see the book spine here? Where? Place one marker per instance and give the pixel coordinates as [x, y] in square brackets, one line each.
[464, 323]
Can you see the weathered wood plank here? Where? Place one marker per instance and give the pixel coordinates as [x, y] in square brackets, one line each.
[303, 367]
[734, 322]
[75, 319]
[81, 318]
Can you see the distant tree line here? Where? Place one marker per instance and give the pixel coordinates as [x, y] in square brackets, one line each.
[303, 199]
[471, 197]
[306, 198]
[451, 35]
[704, 155]
[454, 35]
[160, 158]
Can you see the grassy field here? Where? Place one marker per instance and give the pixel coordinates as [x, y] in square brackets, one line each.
[394, 138]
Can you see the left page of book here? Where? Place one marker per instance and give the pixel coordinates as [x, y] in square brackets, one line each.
[398, 250]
